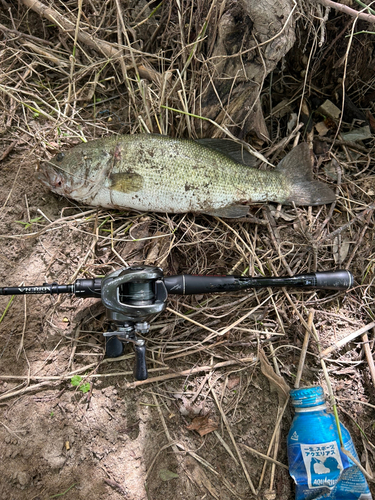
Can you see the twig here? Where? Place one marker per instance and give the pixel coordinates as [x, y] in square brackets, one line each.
[226, 423]
[273, 465]
[360, 238]
[242, 318]
[224, 444]
[108, 49]
[169, 438]
[183, 316]
[209, 466]
[347, 10]
[116, 486]
[345, 340]
[49, 227]
[9, 148]
[187, 373]
[370, 359]
[362, 469]
[329, 387]
[74, 347]
[359, 216]
[274, 238]
[11, 190]
[339, 142]
[274, 435]
[26, 36]
[265, 457]
[304, 349]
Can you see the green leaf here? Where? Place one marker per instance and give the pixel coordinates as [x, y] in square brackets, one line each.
[167, 475]
[76, 380]
[28, 224]
[85, 387]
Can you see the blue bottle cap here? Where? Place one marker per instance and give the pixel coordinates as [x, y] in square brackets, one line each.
[307, 396]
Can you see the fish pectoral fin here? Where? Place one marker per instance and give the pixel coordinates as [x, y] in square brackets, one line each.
[230, 148]
[229, 212]
[126, 182]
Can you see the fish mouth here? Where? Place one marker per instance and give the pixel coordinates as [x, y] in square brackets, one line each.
[50, 178]
[42, 175]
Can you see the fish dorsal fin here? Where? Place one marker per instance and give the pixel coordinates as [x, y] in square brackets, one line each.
[231, 149]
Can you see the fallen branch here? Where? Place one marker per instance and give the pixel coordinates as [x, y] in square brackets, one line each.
[348, 10]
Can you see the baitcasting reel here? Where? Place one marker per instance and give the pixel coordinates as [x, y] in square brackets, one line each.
[132, 296]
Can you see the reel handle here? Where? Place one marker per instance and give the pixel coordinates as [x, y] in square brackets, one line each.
[140, 367]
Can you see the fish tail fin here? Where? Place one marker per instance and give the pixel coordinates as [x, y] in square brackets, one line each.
[297, 168]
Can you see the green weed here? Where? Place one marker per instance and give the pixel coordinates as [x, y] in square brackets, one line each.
[76, 381]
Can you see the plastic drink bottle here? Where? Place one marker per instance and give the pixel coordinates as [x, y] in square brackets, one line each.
[318, 467]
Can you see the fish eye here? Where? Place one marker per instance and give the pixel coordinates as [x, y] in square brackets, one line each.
[60, 157]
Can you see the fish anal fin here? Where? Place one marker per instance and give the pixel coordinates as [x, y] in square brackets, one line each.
[126, 182]
[229, 212]
[231, 149]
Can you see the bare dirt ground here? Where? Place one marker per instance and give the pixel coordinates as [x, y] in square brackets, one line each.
[209, 422]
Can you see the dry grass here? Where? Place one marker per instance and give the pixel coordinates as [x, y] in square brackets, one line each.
[111, 69]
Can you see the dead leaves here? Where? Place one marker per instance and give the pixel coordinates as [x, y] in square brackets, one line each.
[203, 425]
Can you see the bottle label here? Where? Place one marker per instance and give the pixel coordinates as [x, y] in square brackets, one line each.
[323, 464]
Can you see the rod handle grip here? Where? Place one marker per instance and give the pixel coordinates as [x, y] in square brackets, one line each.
[334, 280]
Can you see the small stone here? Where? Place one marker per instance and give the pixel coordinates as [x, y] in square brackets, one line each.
[329, 109]
[23, 478]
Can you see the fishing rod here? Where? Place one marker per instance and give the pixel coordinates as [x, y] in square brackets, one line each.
[134, 294]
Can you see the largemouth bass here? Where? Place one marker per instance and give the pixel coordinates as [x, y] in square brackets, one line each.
[148, 172]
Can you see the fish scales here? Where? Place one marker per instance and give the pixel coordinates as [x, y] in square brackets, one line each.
[183, 176]
[149, 172]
